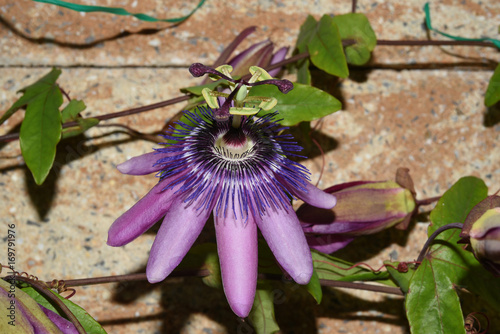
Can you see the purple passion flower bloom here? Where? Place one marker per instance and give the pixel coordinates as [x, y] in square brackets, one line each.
[238, 169]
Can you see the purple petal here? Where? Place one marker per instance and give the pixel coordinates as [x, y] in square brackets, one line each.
[277, 57]
[232, 46]
[314, 196]
[284, 235]
[64, 325]
[354, 228]
[237, 248]
[329, 243]
[179, 230]
[242, 60]
[142, 164]
[147, 211]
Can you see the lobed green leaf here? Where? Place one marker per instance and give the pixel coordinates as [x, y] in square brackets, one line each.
[432, 303]
[326, 50]
[322, 40]
[355, 26]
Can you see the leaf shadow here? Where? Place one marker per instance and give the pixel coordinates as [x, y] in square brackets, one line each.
[309, 139]
[340, 305]
[68, 151]
[295, 310]
[491, 116]
[42, 196]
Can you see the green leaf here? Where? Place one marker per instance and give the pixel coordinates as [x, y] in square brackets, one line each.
[355, 26]
[492, 95]
[71, 111]
[303, 73]
[262, 315]
[307, 31]
[330, 268]
[41, 127]
[314, 287]
[89, 324]
[83, 125]
[302, 103]
[432, 303]
[324, 45]
[455, 204]
[32, 92]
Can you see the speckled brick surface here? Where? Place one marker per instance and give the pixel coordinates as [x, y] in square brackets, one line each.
[430, 119]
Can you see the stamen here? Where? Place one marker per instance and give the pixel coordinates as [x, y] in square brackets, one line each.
[215, 160]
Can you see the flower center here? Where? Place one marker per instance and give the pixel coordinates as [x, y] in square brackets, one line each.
[234, 144]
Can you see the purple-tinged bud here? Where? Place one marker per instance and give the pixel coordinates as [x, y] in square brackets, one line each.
[24, 315]
[363, 208]
[482, 230]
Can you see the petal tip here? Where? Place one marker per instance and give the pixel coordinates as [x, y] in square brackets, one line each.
[241, 309]
[154, 276]
[114, 240]
[302, 278]
[123, 168]
[332, 201]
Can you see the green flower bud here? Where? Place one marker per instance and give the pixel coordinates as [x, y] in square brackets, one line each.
[482, 231]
